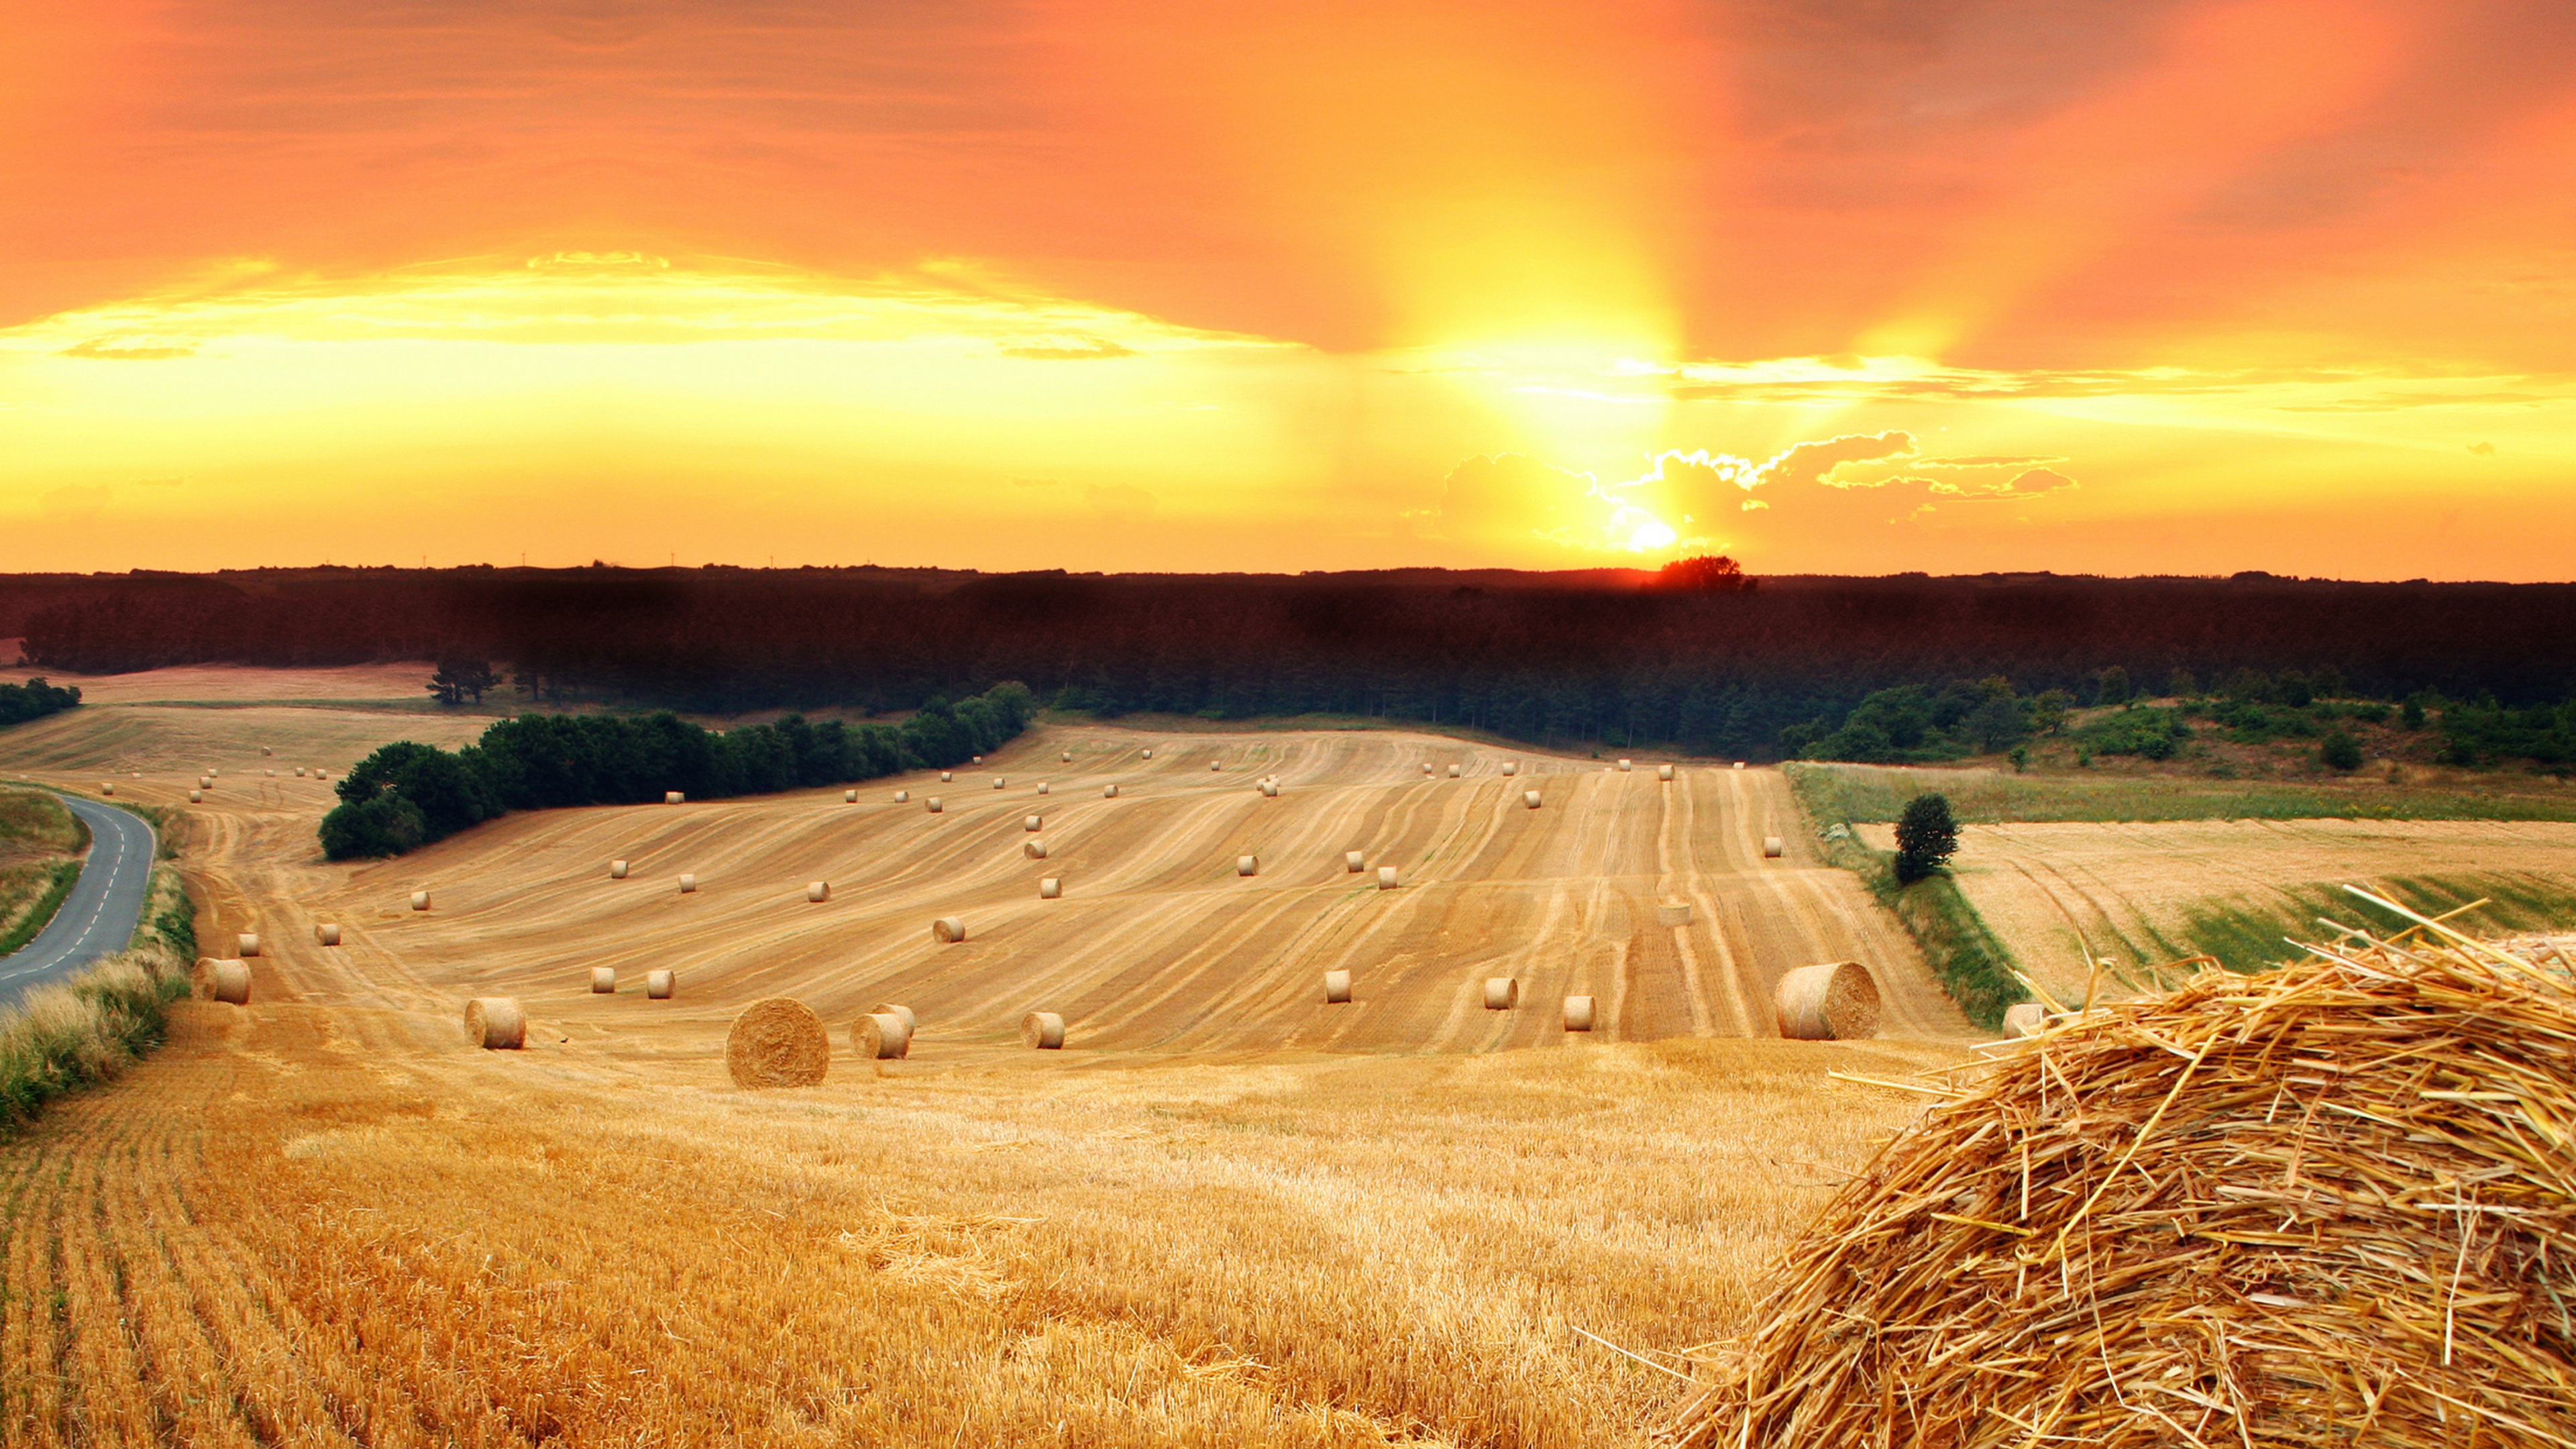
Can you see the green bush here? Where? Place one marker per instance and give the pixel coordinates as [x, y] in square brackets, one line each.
[408, 794]
[1926, 835]
[2340, 751]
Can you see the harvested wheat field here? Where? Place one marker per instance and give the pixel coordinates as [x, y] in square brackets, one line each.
[2163, 890]
[1225, 1212]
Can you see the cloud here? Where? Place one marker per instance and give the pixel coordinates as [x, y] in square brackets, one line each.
[1815, 462]
[1120, 502]
[1986, 460]
[117, 349]
[2483, 450]
[1086, 349]
[2035, 483]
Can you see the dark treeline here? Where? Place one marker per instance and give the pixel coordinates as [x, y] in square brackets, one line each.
[34, 699]
[1604, 658]
[408, 794]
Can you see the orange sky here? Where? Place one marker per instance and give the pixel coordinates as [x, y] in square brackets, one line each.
[1837, 287]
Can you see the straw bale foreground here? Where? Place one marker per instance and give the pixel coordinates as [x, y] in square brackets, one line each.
[2331, 1205]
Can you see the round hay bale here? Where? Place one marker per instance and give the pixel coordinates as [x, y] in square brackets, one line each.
[1773, 847]
[420, 900]
[688, 885]
[1354, 862]
[1511, 767]
[979, 759]
[205, 782]
[2247, 1199]
[1042, 788]
[1530, 798]
[880, 1037]
[1673, 913]
[903, 797]
[231, 983]
[660, 983]
[1663, 772]
[1837, 1001]
[1386, 877]
[1624, 766]
[1502, 993]
[779, 1042]
[1247, 865]
[265, 752]
[1033, 849]
[299, 772]
[1042, 1031]
[1032, 822]
[948, 930]
[947, 777]
[106, 788]
[617, 870]
[911, 1023]
[326, 935]
[603, 981]
[1109, 792]
[1050, 887]
[849, 797]
[1739, 764]
[818, 891]
[2025, 1019]
[1578, 1013]
[1068, 757]
[674, 797]
[271, 774]
[196, 797]
[935, 806]
[1337, 987]
[1269, 789]
[1149, 754]
[1453, 772]
[1426, 767]
[496, 1024]
[997, 782]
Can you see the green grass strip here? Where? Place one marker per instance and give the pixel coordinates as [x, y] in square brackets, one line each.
[66, 875]
[1972, 964]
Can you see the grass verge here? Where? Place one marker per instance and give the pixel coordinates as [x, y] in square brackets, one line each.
[1972, 964]
[66, 874]
[77, 1033]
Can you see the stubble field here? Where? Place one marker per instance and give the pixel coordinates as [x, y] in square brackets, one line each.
[1225, 1213]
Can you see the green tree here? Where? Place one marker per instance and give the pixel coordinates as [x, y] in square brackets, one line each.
[2048, 710]
[457, 678]
[2340, 751]
[2111, 686]
[2020, 758]
[2182, 685]
[1926, 835]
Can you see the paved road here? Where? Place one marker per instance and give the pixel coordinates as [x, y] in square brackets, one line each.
[99, 916]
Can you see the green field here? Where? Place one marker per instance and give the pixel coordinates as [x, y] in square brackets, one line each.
[1877, 794]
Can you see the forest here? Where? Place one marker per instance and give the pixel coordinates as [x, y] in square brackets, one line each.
[1609, 658]
[34, 699]
[407, 795]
